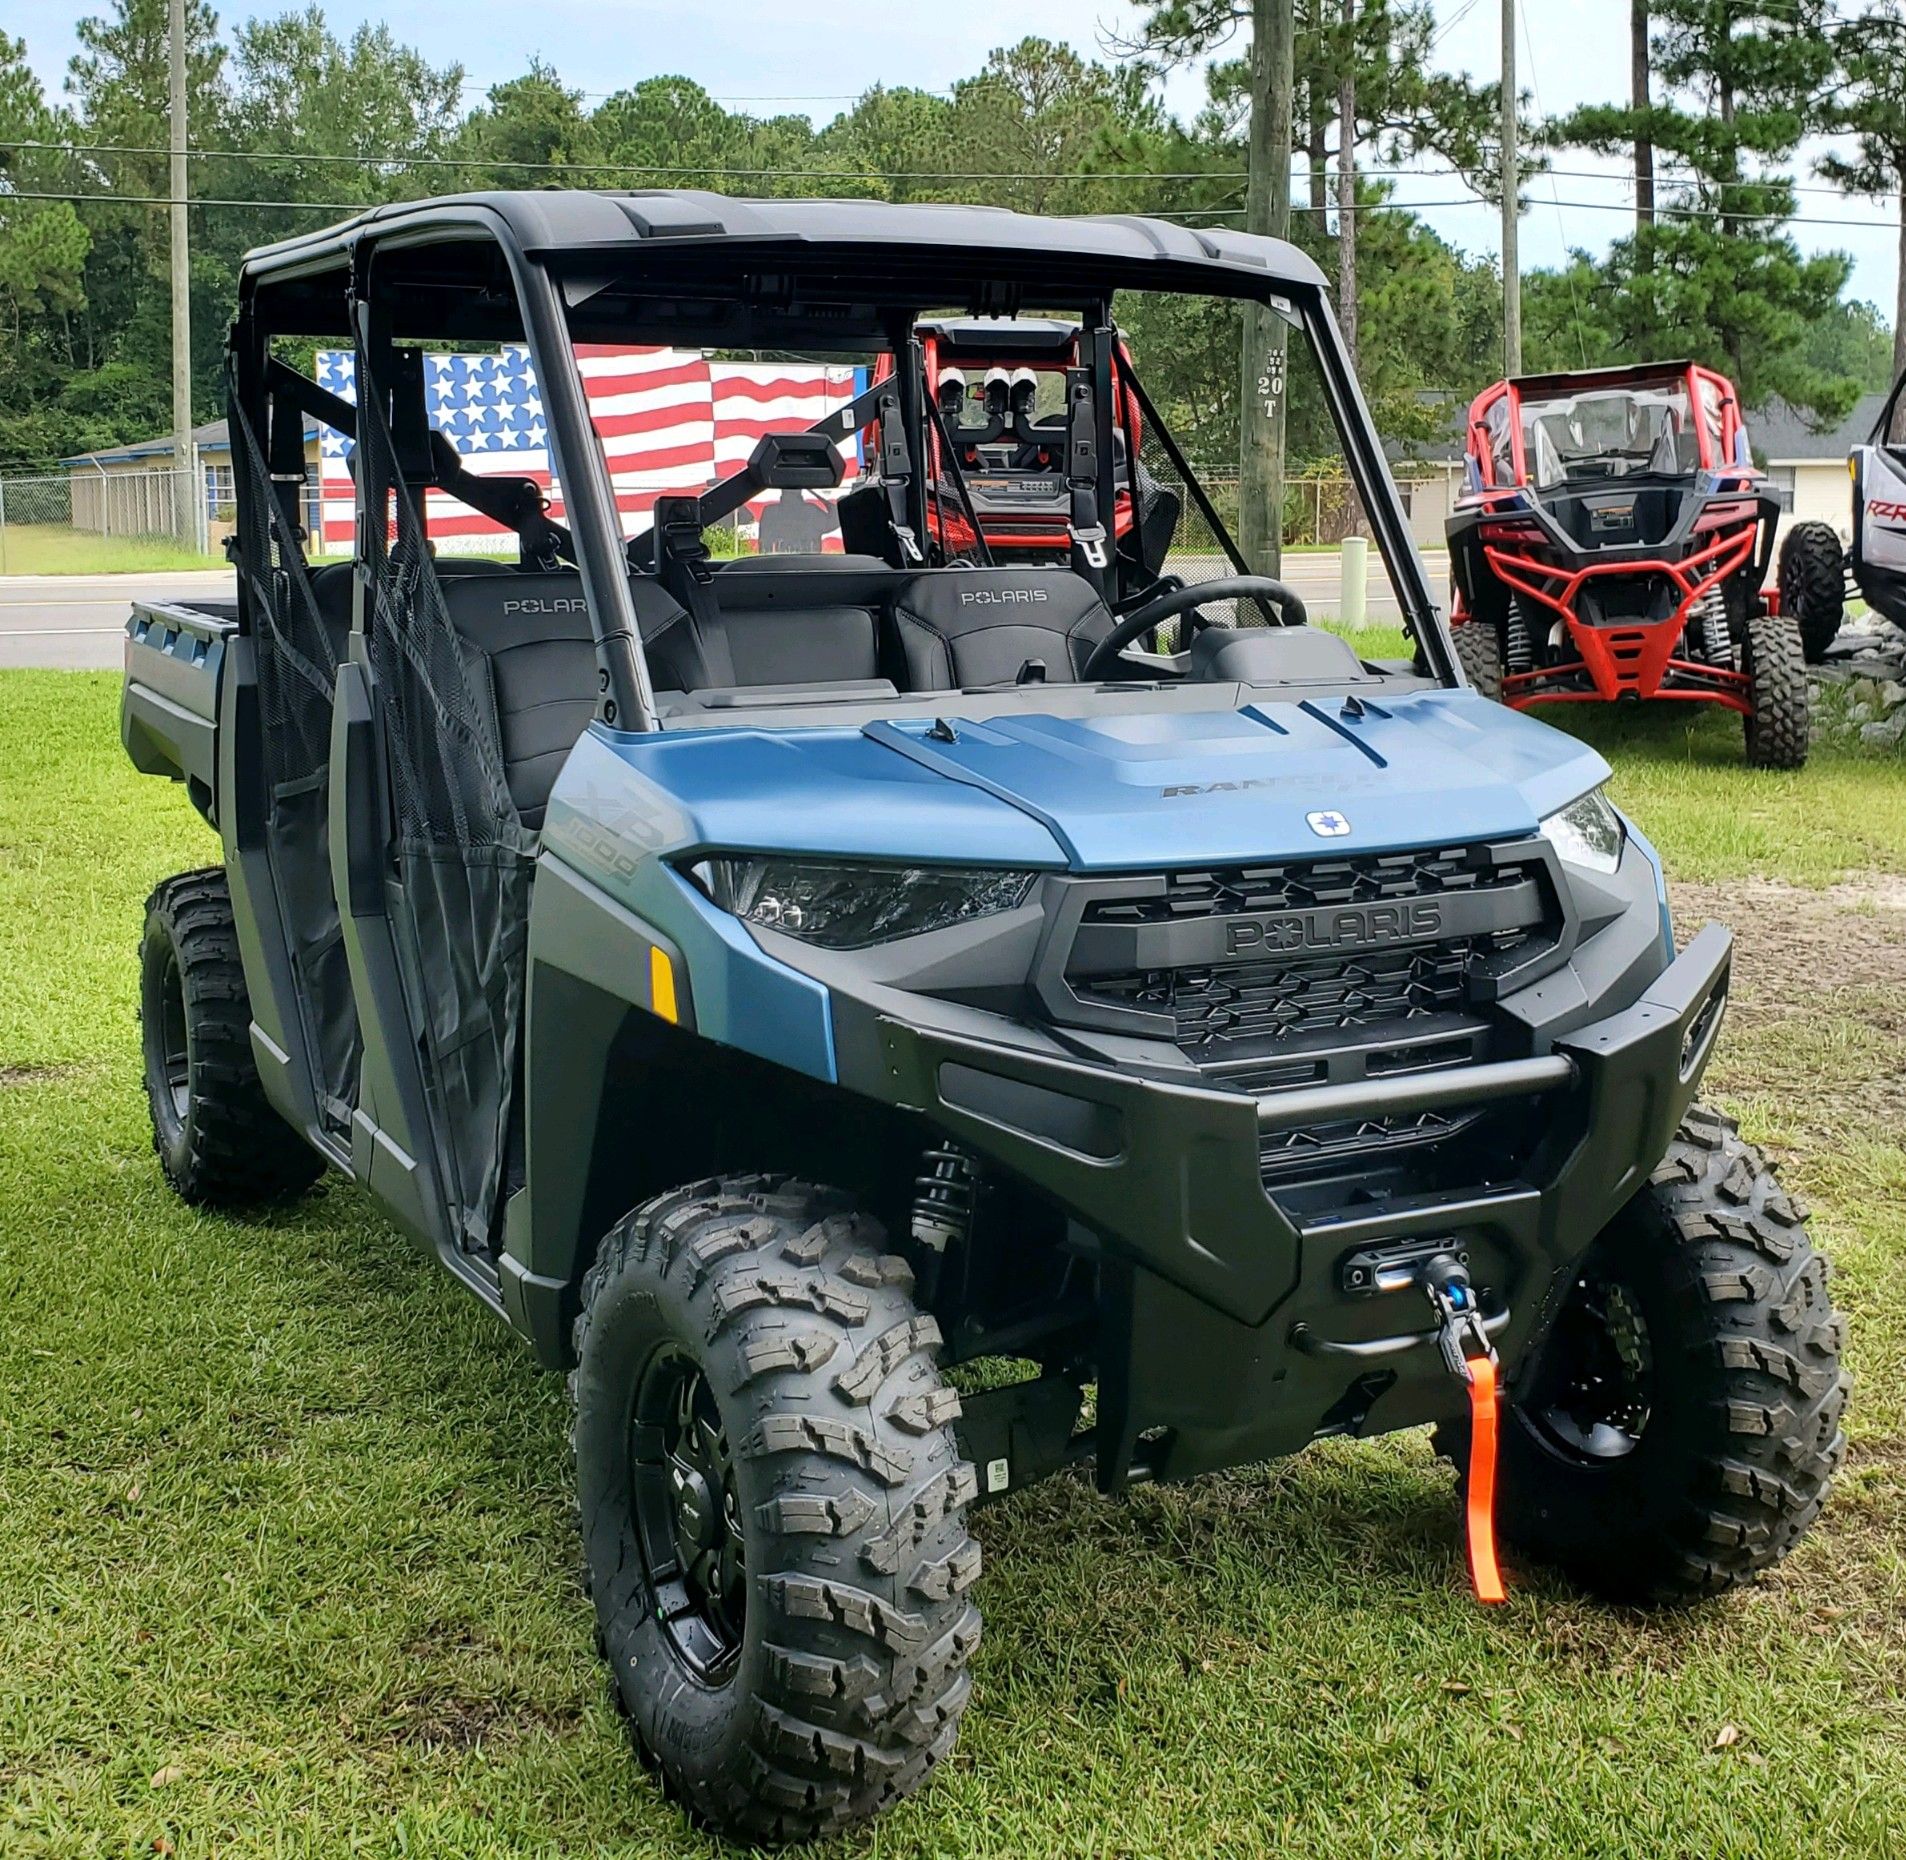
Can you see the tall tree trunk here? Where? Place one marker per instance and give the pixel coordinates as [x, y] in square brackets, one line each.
[1638, 75]
[1724, 100]
[1899, 294]
[1318, 156]
[1267, 210]
[1347, 184]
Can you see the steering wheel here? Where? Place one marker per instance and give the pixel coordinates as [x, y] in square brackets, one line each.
[1290, 609]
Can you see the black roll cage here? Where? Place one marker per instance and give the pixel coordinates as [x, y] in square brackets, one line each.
[547, 284]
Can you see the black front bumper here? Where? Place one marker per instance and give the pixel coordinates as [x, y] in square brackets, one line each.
[1232, 1331]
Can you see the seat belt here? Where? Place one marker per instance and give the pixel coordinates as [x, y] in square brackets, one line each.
[896, 474]
[1086, 526]
[682, 567]
[957, 474]
[285, 465]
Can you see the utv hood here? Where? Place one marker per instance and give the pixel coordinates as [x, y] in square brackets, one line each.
[1137, 791]
[1132, 791]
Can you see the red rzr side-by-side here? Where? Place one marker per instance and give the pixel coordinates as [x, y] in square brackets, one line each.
[1611, 543]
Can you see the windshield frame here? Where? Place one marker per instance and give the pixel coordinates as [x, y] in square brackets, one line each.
[552, 286]
[1497, 440]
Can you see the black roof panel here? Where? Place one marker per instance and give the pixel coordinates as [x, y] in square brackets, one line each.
[965, 237]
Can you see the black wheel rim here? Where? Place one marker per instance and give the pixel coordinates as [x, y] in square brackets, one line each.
[171, 1045]
[687, 1514]
[1594, 1389]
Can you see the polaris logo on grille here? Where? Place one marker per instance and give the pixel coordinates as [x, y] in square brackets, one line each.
[1352, 926]
[1002, 597]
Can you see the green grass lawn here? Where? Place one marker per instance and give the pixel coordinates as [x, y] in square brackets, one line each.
[286, 1566]
[53, 549]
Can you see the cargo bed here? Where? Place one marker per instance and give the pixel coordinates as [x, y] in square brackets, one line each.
[168, 716]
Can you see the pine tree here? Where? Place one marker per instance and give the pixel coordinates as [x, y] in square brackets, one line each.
[1361, 62]
[1869, 104]
[1716, 275]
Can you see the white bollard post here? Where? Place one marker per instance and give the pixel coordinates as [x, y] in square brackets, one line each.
[1353, 581]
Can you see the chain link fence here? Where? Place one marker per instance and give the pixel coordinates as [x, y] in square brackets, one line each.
[102, 520]
[1320, 511]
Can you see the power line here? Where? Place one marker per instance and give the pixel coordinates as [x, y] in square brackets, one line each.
[195, 200]
[1465, 203]
[366, 206]
[640, 167]
[727, 97]
[1627, 180]
[1130, 177]
[1450, 24]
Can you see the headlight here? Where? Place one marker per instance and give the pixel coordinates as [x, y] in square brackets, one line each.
[841, 905]
[1587, 832]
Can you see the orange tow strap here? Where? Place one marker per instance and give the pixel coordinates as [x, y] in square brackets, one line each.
[1483, 1572]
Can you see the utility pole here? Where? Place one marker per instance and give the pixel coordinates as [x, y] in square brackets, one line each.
[186, 498]
[1511, 202]
[1638, 87]
[1347, 245]
[1267, 210]
[1347, 183]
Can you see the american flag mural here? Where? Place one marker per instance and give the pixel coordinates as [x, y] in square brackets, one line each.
[670, 422]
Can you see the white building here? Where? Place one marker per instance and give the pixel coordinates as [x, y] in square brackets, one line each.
[1808, 468]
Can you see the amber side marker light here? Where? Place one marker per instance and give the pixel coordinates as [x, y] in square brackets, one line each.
[662, 985]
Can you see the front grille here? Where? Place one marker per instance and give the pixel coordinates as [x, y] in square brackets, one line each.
[1357, 1160]
[1288, 1152]
[1274, 976]
[1274, 1000]
[1367, 878]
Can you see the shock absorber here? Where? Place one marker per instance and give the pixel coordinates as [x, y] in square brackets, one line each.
[1717, 643]
[943, 1197]
[1518, 650]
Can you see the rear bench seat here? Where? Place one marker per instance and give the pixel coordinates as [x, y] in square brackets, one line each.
[533, 653]
[809, 620]
[792, 620]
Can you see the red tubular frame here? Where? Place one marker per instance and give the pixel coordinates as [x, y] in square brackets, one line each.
[1633, 659]
[1628, 660]
[1008, 531]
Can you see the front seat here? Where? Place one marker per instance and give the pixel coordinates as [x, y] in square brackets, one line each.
[959, 628]
[530, 654]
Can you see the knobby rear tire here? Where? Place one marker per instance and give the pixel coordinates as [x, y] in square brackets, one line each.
[219, 1139]
[1777, 727]
[1813, 586]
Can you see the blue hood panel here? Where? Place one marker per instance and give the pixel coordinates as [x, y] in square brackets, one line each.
[1196, 788]
[1122, 792]
[827, 791]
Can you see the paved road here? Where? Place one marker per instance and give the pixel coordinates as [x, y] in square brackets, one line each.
[1318, 580]
[78, 621]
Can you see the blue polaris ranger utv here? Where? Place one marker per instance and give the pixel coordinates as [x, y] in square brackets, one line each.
[774, 982]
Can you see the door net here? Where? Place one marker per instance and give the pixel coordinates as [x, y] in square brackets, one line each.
[463, 855]
[297, 659]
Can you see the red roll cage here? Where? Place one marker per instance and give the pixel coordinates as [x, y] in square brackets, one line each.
[1496, 416]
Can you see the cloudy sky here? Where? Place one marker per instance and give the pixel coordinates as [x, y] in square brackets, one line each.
[774, 55]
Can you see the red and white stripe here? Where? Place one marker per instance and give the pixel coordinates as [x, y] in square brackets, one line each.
[669, 421]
